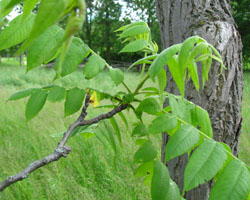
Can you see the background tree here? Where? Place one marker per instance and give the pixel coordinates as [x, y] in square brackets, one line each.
[222, 95]
[241, 13]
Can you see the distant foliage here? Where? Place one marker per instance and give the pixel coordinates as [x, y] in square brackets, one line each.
[188, 124]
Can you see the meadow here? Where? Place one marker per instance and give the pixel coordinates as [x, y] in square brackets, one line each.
[90, 172]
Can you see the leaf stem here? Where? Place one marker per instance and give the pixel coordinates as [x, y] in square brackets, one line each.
[123, 83]
[141, 84]
[204, 135]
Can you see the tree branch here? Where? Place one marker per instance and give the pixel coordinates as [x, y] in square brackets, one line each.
[61, 150]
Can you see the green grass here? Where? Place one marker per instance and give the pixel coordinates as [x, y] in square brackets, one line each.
[91, 171]
[244, 148]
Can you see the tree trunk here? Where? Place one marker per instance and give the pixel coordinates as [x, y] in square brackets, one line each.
[222, 95]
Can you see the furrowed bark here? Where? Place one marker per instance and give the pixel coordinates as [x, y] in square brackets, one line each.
[222, 95]
[62, 150]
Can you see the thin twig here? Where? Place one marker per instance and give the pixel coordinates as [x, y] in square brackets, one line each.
[61, 150]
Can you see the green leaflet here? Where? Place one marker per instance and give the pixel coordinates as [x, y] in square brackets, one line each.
[177, 75]
[3, 11]
[163, 59]
[233, 183]
[35, 104]
[192, 69]
[204, 164]
[116, 75]
[150, 106]
[134, 30]
[16, 32]
[160, 182]
[94, 65]
[206, 65]
[140, 130]
[22, 94]
[43, 47]
[163, 123]
[122, 116]
[135, 46]
[131, 25]
[175, 107]
[145, 170]
[116, 128]
[50, 11]
[109, 136]
[56, 94]
[182, 141]
[102, 137]
[162, 80]
[185, 50]
[146, 60]
[76, 52]
[145, 153]
[74, 99]
[181, 108]
[197, 50]
[28, 7]
[11, 4]
[204, 121]
[173, 191]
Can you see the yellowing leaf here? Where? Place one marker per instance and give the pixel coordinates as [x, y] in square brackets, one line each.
[93, 100]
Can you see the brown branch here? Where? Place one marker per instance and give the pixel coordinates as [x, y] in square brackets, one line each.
[104, 116]
[62, 150]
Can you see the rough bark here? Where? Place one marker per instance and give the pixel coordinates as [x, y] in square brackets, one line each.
[222, 95]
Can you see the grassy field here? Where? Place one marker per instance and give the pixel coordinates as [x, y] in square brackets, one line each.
[90, 172]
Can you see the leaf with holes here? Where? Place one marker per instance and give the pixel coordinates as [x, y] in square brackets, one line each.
[145, 153]
[204, 121]
[140, 130]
